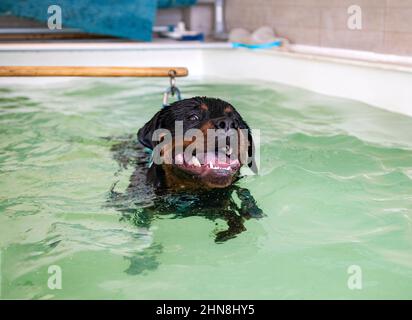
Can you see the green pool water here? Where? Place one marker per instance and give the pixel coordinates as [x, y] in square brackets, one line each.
[335, 184]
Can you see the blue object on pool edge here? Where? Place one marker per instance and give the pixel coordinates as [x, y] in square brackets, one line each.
[197, 37]
[131, 19]
[277, 43]
[174, 3]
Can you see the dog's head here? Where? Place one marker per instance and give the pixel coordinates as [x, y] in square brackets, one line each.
[202, 142]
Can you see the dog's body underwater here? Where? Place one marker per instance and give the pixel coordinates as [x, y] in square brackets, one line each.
[199, 178]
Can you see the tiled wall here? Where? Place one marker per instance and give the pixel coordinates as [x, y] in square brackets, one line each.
[386, 24]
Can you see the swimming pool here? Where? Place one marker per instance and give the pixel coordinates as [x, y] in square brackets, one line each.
[335, 185]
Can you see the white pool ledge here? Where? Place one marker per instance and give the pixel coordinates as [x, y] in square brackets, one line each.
[384, 81]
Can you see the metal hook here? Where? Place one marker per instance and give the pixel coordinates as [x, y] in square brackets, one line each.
[172, 90]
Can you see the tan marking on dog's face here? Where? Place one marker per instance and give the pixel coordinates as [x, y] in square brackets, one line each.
[205, 126]
[228, 110]
[204, 107]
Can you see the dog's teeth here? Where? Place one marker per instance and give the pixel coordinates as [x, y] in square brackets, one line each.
[179, 158]
[229, 151]
[195, 162]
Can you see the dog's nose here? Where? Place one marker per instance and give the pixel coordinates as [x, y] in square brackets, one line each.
[226, 124]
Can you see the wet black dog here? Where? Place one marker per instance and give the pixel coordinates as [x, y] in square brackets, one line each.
[201, 184]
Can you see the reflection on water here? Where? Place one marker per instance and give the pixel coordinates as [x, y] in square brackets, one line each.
[65, 239]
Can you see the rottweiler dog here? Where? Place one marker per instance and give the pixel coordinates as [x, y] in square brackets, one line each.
[205, 154]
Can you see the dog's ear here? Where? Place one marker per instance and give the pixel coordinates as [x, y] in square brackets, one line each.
[251, 152]
[145, 134]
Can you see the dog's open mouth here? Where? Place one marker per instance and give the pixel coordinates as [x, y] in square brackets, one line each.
[209, 163]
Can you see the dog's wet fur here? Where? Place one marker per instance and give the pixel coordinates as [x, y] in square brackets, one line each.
[164, 189]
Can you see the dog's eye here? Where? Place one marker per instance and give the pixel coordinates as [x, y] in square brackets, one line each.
[193, 117]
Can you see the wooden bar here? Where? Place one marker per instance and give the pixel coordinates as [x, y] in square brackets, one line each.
[66, 71]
